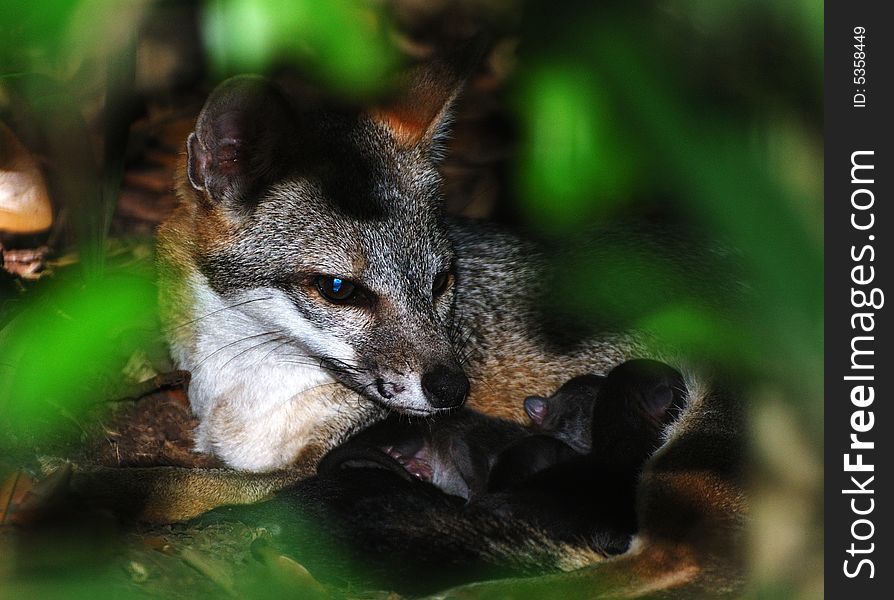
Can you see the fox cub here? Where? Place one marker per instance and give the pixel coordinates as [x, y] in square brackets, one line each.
[619, 416]
[509, 486]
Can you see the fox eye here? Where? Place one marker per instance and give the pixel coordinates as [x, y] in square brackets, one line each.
[336, 289]
[441, 283]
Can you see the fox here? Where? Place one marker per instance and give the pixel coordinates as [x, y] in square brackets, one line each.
[312, 284]
[618, 418]
[595, 491]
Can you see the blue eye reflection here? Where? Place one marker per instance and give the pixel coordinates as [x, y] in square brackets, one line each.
[338, 290]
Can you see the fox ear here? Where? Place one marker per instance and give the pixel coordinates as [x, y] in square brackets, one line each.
[536, 408]
[656, 400]
[659, 390]
[241, 136]
[420, 114]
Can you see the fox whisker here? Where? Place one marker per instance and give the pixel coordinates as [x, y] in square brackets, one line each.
[250, 349]
[215, 312]
[234, 343]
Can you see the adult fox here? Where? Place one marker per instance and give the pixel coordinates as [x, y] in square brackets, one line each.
[311, 283]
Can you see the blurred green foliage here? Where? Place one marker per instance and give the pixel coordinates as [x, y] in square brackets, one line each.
[575, 150]
[33, 33]
[65, 350]
[63, 340]
[620, 111]
[680, 100]
[342, 42]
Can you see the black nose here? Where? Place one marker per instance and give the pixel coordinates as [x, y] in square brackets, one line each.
[445, 387]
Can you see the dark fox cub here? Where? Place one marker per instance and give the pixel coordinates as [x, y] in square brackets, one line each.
[458, 452]
[506, 473]
[617, 420]
[592, 496]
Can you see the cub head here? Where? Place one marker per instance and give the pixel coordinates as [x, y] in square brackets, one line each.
[567, 415]
[328, 228]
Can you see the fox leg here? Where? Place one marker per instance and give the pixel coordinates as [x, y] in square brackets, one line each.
[173, 494]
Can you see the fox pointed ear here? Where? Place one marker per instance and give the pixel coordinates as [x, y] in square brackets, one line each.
[656, 401]
[536, 408]
[419, 116]
[240, 139]
[657, 388]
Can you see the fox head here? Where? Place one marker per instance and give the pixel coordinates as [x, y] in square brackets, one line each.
[335, 221]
